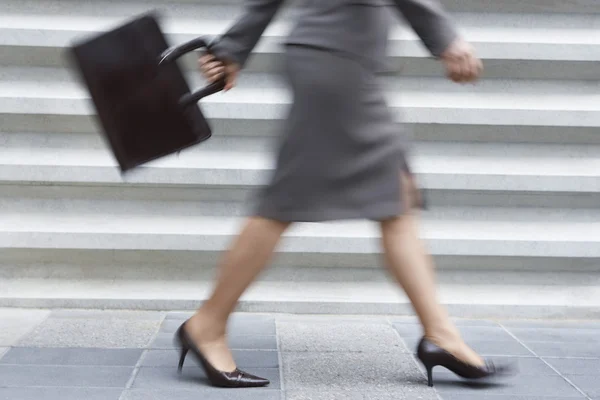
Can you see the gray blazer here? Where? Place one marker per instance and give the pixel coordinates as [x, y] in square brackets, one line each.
[348, 26]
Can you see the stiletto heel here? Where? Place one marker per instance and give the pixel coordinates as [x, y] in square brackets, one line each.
[184, 351]
[234, 379]
[430, 376]
[432, 355]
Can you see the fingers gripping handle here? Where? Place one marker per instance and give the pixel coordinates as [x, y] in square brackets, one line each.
[174, 53]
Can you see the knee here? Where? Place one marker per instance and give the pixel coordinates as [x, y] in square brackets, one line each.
[395, 225]
[269, 223]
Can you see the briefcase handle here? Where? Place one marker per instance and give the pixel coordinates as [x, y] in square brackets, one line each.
[175, 52]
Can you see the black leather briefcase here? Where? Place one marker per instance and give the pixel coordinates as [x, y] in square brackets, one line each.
[141, 97]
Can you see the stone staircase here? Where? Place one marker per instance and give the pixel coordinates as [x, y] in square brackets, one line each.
[511, 166]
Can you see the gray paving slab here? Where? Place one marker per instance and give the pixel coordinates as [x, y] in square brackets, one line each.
[350, 372]
[72, 356]
[484, 396]
[243, 358]
[520, 385]
[15, 323]
[62, 393]
[199, 394]
[77, 354]
[249, 342]
[460, 322]
[236, 316]
[238, 325]
[526, 366]
[164, 341]
[568, 324]
[485, 347]
[588, 384]
[558, 349]
[338, 336]
[411, 331]
[92, 333]
[404, 393]
[412, 320]
[566, 335]
[468, 332]
[258, 327]
[327, 318]
[575, 366]
[170, 325]
[193, 378]
[61, 376]
[179, 315]
[109, 314]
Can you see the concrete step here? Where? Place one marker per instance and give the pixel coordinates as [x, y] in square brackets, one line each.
[494, 263]
[574, 298]
[511, 46]
[119, 9]
[269, 89]
[426, 103]
[210, 202]
[265, 144]
[452, 173]
[62, 80]
[36, 99]
[519, 6]
[494, 233]
[221, 200]
[461, 130]
[490, 100]
[225, 8]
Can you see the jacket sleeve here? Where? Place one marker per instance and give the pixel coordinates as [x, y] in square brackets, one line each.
[431, 23]
[238, 42]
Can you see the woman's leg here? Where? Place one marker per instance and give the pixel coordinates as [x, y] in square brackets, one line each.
[249, 255]
[408, 261]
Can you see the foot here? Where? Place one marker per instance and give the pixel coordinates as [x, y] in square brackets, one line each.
[451, 341]
[432, 355]
[211, 339]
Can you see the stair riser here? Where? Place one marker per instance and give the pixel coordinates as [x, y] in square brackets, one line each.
[159, 265]
[240, 178]
[471, 311]
[47, 123]
[233, 202]
[190, 8]
[413, 112]
[520, 6]
[466, 293]
[401, 62]
[343, 246]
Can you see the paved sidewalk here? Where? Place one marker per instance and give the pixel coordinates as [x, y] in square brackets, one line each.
[121, 355]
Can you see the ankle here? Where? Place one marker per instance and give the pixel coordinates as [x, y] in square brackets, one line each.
[213, 310]
[449, 339]
[207, 326]
[443, 334]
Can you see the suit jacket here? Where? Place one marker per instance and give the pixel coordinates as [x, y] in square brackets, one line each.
[354, 27]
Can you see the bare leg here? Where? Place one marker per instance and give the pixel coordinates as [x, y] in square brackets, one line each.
[242, 264]
[409, 263]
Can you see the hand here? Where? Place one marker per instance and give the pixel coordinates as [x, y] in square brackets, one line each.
[214, 70]
[462, 65]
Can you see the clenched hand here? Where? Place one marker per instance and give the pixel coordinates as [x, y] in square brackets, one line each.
[214, 70]
[461, 62]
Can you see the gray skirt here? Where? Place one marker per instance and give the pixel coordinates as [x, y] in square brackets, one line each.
[341, 154]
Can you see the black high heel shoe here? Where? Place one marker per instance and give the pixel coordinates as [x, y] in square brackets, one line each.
[234, 379]
[431, 355]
